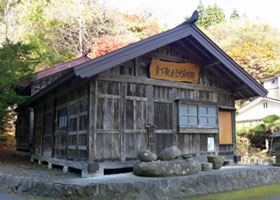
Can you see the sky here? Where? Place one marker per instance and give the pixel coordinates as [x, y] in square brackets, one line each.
[173, 12]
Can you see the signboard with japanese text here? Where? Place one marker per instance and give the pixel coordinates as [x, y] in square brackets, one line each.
[188, 72]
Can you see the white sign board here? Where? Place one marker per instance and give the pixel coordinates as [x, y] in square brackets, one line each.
[211, 144]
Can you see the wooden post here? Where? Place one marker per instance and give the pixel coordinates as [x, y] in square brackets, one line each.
[150, 96]
[175, 115]
[233, 132]
[122, 116]
[54, 127]
[42, 129]
[31, 129]
[91, 121]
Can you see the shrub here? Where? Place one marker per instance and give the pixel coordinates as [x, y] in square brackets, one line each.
[270, 118]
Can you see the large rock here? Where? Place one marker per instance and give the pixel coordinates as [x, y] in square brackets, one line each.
[146, 156]
[166, 168]
[217, 161]
[170, 153]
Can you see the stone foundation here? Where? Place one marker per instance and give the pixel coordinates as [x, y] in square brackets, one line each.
[129, 186]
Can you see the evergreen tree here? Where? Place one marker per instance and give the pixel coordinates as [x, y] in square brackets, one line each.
[16, 63]
[213, 15]
[201, 14]
[234, 15]
[209, 16]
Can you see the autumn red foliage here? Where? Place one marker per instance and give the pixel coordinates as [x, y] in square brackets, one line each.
[104, 45]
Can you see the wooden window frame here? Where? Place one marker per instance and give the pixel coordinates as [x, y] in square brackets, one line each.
[62, 120]
[198, 105]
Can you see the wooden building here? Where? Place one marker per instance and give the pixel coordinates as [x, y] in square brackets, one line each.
[175, 88]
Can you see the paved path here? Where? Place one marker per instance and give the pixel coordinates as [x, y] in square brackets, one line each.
[131, 178]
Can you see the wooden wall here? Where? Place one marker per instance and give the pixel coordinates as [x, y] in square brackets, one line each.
[23, 127]
[126, 100]
[106, 116]
[61, 124]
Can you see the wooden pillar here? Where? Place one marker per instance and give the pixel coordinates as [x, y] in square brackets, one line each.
[42, 129]
[31, 129]
[150, 96]
[233, 132]
[122, 116]
[91, 121]
[54, 126]
[175, 116]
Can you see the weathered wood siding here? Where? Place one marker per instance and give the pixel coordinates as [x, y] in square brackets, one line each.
[38, 130]
[61, 124]
[105, 118]
[150, 101]
[48, 130]
[23, 126]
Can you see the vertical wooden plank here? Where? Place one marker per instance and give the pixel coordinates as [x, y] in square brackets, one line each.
[54, 126]
[138, 115]
[135, 67]
[122, 119]
[129, 114]
[191, 143]
[100, 113]
[107, 139]
[99, 146]
[233, 132]
[150, 98]
[187, 143]
[42, 129]
[116, 121]
[32, 121]
[91, 121]
[175, 115]
[197, 144]
[108, 114]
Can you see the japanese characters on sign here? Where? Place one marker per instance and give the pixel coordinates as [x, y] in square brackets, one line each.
[188, 72]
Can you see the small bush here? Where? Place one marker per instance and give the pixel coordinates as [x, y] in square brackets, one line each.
[270, 118]
[259, 128]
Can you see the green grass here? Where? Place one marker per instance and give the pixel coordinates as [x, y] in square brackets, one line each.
[248, 194]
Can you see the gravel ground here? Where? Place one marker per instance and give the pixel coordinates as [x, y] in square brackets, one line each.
[11, 196]
[19, 165]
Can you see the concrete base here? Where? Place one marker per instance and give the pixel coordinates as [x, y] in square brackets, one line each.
[65, 169]
[49, 165]
[98, 173]
[128, 186]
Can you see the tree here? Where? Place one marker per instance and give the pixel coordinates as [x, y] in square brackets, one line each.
[201, 14]
[209, 16]
[16, 62]
[253, 45]
[9, 20]
[106, 44]
[213, 15]
[234, 15]
[142, 26]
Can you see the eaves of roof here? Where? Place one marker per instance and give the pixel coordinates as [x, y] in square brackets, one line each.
[103, 63]
[132, 51]
[257, 101]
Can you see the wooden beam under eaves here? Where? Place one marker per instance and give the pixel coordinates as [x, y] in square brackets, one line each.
[217, 75]
[189, 50]
[197, 47]
[212, 63]
[228, 74]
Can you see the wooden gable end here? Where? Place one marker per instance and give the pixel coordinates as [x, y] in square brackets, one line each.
[175, 52]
